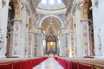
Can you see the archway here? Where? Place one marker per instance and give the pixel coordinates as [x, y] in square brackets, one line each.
[57, 17]
[51, 27]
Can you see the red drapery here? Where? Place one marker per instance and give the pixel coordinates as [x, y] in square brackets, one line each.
[72, 65]
[6, 66]
[27, 64]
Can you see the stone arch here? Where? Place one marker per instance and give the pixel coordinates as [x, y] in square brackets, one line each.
[61, 21]
[51, 26]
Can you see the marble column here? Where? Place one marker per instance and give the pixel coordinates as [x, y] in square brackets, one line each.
[26, 40]
[46, 46]
[62, 45]
[71, 44]
[39, 44]
[3, 26]
[56, 46]
[0, 10]
[24, 31]
[11, 42]
[85, 37]
[91, 43]
[16, 38]
[31, 44]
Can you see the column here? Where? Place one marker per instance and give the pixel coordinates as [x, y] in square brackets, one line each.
[0, 10]
[24, 31]
[85, 37]
[56, 46]
[31, 44]
[16, 38]
[91, 35]
[11, 42]
[62, 45]
[46, 46]
[3, 27]
[26, 39]
[39, 44]
[71, 44]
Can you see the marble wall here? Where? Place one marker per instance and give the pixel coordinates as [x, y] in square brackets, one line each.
[63, 44]
[20, 43]
[3, 25]
[98, 20]
[39, 44]
[81, 36]
[80, 33]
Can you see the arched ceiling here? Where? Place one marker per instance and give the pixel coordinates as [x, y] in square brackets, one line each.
[51, 26]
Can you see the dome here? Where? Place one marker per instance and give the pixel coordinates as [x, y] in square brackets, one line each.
[51, 6]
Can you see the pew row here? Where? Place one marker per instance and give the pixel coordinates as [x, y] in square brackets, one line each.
[80, 63]
[20, 63]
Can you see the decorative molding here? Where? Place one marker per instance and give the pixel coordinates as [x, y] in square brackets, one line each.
[51, 12]
[86, 20]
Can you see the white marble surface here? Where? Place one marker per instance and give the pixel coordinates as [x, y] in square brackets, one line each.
[98, 21]
[50, 63]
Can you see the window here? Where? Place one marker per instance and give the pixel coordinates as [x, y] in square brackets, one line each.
[59, 1]
[44, 1]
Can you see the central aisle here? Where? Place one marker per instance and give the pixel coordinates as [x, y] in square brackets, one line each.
[50, 63]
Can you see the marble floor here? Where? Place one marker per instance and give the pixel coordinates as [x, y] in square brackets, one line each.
[49, 64]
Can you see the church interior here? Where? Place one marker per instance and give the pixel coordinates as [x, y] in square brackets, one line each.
[51, 34]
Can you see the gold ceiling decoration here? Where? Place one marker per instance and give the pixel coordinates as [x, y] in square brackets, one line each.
[51, 12]
[51, 25]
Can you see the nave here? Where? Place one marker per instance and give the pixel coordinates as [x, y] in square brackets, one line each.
[71, 30]
[50, 63]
